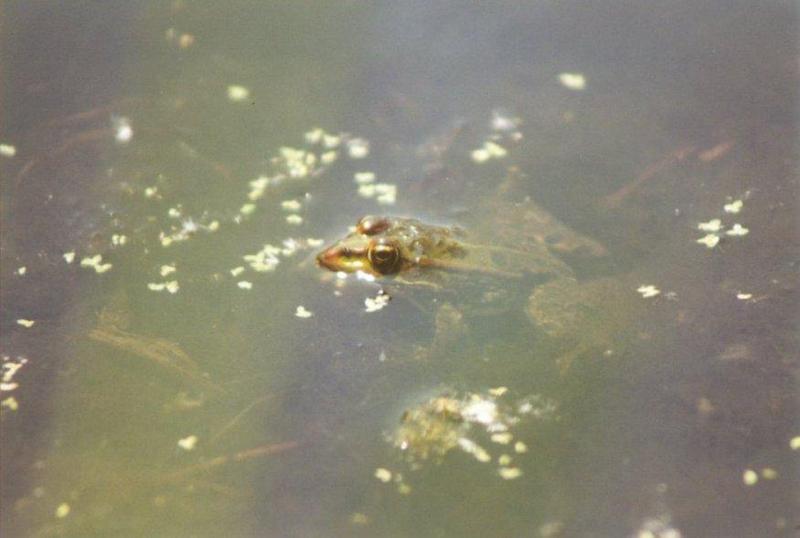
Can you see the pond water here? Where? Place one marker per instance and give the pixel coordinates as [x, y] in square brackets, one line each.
[175, 363]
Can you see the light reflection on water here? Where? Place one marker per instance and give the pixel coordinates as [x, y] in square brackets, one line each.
[675, 398]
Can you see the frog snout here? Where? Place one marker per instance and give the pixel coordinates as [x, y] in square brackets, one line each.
[328, 258]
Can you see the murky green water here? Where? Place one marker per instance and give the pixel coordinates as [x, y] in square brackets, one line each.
[190, 371]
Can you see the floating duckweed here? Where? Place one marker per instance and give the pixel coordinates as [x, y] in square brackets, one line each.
[62, 511]
[10, 403]
[429, 431]
[709, 240]
[480, 410]
[648, 290]
[291, 205]
[69, 257]
[537, 406]
[188, 443]
[733, 207]
[91, 261]
[498, 391]
[264, 260]
[384, 475]
[357, 148]
[150, 192]
[174, 212]
[294, 160]
[509, 473]
[27, 323]
[501, 121]
[7, 150]
[236, 271]
[360, 275]
[314, 136]
[185, 41]
[123, 132]
[10, 368]
[257, 188]
[331, 141]
[489, 150]
[794, 443]
[520, 447]
[247, 209]
[245, 285]
[737, 230]
[495, 150]
[294, 219]
[749, 477]
[290, 246]
[357, 518]
[301, 312]
[364, 177]
[329, 157]
[573, 81]
[768, 473]
[237, 93]
[714, 225]
[118, 240]
[377, 303]
[172, 286]
[502, 438]
[167, 270]
[471, 447]
[480, 155]
[384, 193]
[95, 262]
[213, 226]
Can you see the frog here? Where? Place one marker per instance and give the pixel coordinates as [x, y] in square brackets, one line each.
[501, 252]
[404, 251]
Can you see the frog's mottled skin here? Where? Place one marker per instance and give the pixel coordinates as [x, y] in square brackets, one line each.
[387, 246]
[519, 243]
[419, 253]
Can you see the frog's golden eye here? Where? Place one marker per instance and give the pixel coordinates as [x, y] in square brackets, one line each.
[372, 225]
[384, 256]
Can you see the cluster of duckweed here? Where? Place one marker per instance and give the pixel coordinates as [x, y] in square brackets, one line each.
[480, 424]
[715, 228]
[504, 132]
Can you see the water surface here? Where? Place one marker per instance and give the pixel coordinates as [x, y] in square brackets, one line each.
[177, 392]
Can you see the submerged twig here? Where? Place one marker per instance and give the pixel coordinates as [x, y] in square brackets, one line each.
[235, 420]
[236, 457]
[616, 198]
[162, 352]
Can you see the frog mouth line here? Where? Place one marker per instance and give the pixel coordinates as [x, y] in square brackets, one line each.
[331, 259]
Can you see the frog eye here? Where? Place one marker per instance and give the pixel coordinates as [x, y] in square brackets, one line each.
[372, 225]
[384, 257]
